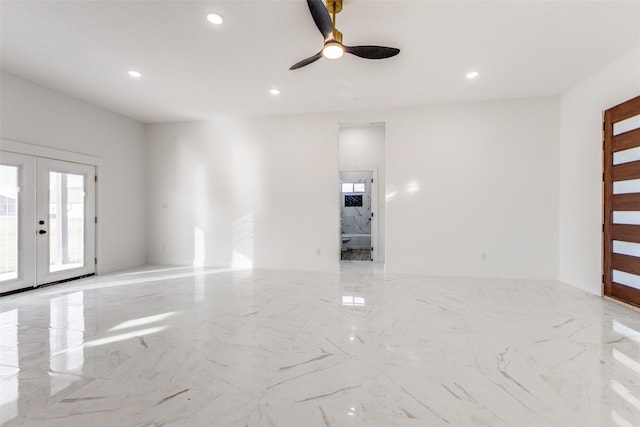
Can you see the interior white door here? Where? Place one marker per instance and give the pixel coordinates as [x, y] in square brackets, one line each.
[17, 219]
[65, 220]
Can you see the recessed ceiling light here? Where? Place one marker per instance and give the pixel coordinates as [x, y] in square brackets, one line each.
[275, 91]
[135, 74]
[473, 75]
[215, 18]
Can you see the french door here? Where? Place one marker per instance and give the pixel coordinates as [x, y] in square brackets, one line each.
[47, 221]
[621, 227]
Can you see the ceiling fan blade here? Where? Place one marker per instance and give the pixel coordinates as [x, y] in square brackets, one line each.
[321, 17]
[307, 61]
[372, 52]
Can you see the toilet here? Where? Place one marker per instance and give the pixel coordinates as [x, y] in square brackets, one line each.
[345, 240]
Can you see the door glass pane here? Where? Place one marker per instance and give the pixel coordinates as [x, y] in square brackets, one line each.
[626, 217]
[66, 221]
[626, 187]
[626, 156]
[626, 279]
[626, 248]
[626, 125]
[8, 222]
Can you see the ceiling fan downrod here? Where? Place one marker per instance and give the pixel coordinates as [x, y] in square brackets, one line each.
[335, 7]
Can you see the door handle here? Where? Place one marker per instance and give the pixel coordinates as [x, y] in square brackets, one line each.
[42, 231]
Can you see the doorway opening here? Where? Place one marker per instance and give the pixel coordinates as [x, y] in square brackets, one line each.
[361, 175]
[356, 216]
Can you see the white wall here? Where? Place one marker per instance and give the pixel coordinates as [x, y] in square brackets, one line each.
[362, 148]
[258, 193]
[36, 115]
[580, 257]
[461, 180]
[474, 181]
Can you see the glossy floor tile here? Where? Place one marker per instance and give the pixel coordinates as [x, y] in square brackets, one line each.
[184, 347]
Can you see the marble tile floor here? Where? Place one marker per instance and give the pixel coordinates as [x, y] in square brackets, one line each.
[204, 347]
[356, 255]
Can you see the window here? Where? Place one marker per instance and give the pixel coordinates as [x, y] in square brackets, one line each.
[353, 187]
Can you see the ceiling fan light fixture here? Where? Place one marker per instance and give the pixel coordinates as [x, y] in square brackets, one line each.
[332, 50]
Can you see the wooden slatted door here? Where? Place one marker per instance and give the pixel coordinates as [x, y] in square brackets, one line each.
[621, 227]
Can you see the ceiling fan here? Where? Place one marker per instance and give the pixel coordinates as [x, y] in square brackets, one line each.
[333, 47]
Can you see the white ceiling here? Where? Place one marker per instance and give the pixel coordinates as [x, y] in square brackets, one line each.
[194, 70]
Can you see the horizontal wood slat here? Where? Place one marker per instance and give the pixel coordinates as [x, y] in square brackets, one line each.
[626, 263]
[625, 293]
[626, 171]
[625, 110]
[626, 140]
[625, 233]
[625, 202]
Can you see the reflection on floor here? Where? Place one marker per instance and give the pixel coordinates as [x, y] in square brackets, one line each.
[361, 267]
[201, 347]
[356, 255]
